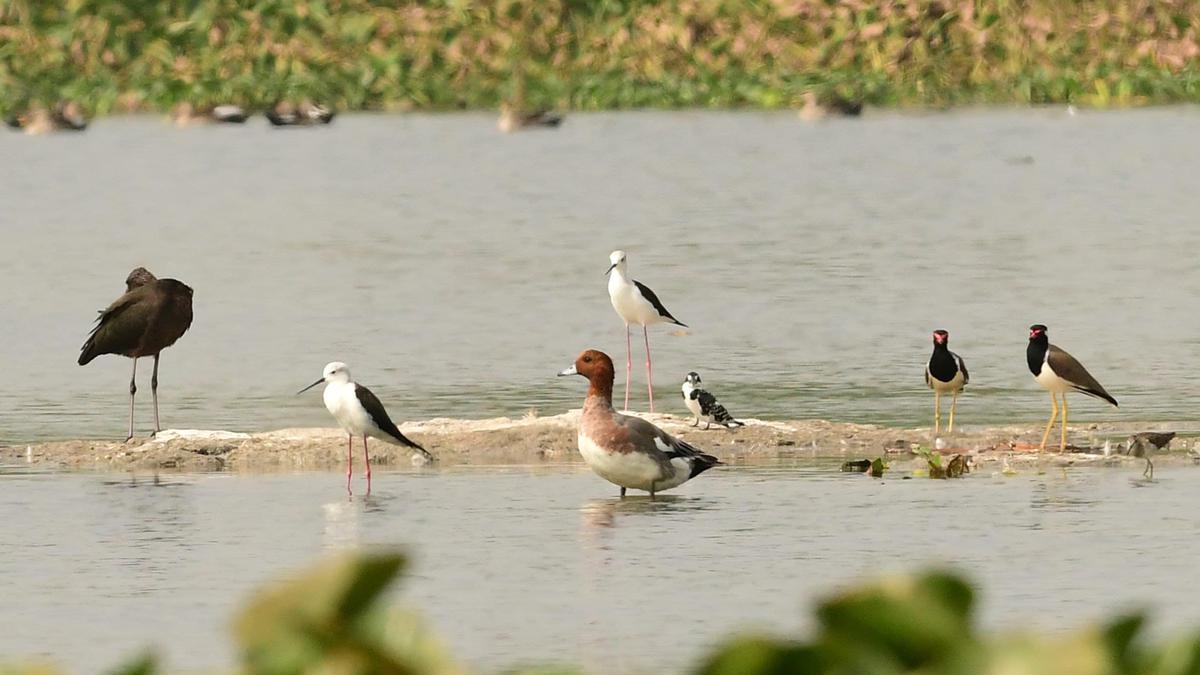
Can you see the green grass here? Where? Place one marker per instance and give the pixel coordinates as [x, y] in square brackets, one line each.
[596, 54]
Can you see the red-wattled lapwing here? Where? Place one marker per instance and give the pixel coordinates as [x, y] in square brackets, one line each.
[1058, 372]
[638, 305]
[624, 450]
[359, 413]
[150, 317]
[945, 373]
[704, 405]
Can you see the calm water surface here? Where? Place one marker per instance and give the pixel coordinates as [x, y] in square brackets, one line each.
[522, 564]
[457, 269]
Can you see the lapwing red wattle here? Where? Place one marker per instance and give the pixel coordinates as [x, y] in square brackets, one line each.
[945, 373]
[1058, 372]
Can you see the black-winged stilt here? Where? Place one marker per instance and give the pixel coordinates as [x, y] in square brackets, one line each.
[635, 304]
[359, 413]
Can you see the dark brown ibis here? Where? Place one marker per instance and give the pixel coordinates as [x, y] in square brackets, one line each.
[151, 315]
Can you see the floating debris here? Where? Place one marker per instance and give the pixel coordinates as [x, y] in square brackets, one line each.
[856, 466]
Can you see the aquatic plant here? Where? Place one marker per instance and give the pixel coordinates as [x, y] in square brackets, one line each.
[364, 54]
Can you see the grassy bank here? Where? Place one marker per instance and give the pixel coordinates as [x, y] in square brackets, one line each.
[596, 54]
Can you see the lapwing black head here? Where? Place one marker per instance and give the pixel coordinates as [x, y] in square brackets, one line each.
[1059, 373]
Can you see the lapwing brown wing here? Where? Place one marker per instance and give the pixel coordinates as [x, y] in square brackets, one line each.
[1059, 373]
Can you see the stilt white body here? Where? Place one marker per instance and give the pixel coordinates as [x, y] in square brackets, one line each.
[637, 306]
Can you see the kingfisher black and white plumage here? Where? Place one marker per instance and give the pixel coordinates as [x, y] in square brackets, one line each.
[1058, 372]
[946, 373]
[705, 406]
[360, 413]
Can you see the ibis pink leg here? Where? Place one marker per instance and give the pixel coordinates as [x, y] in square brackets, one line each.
[649, 369]
[132, 391]
[349, 460]
[628, 365]
[367, 456]
[154, 394]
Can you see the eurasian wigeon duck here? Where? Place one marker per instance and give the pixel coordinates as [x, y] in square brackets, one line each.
[624, 450]
[187, 115]
[512, 119]
[64, 116]
[305, 114]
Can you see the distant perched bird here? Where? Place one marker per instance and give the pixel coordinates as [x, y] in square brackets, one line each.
[302, 115]
[816, 107]
[624, 450]
[635, 304]
[359, 413]
[187, 114]
[946, 372]
[64, 116]
[1144, 443]
[151, 315]
[512, 119]
[1058, 372]
[704, 405]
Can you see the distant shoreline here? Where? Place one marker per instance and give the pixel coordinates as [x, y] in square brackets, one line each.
[551, 440]
[599, 56]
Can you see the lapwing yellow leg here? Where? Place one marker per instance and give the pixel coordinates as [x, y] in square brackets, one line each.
[937, 412]
[1050, 424]
[1063, 446]
[953, 405]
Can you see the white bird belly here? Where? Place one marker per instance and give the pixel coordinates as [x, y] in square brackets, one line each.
[629, 469]
[694, 406]
[630, 305]
[1051, 382]
[343, 404]
[955, 383]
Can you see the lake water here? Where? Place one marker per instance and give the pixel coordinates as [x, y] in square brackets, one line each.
[525, 564]
[457, 269]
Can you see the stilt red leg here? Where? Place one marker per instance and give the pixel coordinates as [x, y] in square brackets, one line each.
[367, 456]
[628, 365]
[649, 369]
[349, 460]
